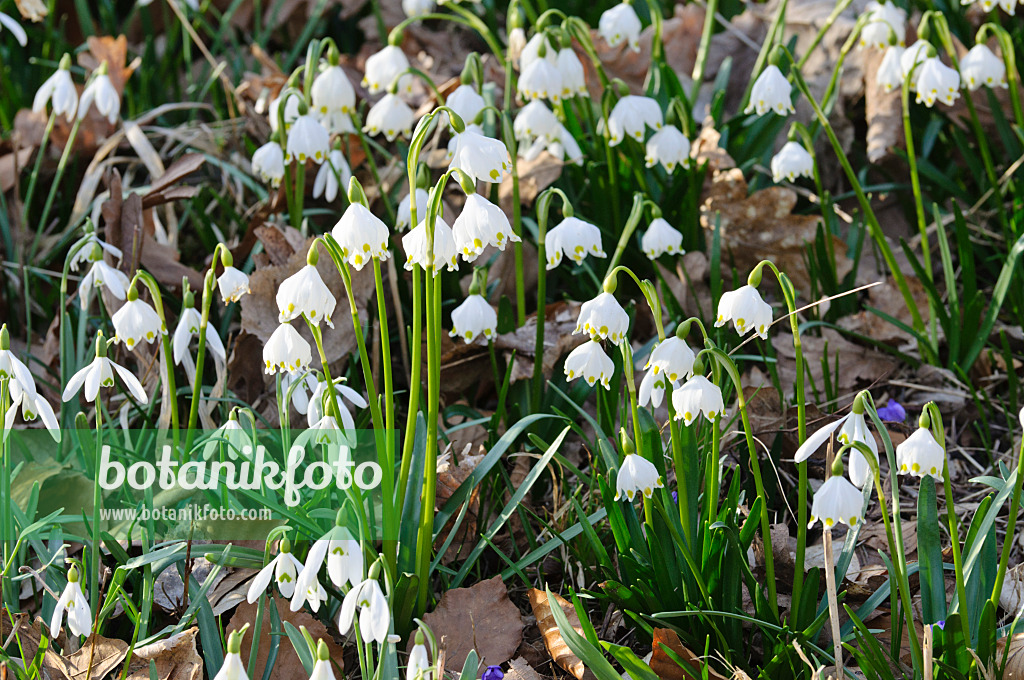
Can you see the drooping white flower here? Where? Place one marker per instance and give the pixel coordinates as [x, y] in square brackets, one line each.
[290, 113]
[322, 668]
[792, 161]
[268, 163]
[636, 475]
[630, 115]
[417, 8]
[188, 328]
[919, 455]
[6, 21]
[604, 318]
[304, 293]
[884, 21]
[673, 358]
[466, 102]
[532, 49]
[588, 361]
[73, 603]
[321, 396]
[936, 81]
[912, 59]
[620, 23]
[855, 429]
[652, 389]
[837, 501]
[232, 437]
[88, 253]
[404, 218]
[660, 238]
[102, 93]
[480, 157]
[418, 667]
[747, 311]
[233, 284]
[13, 369]
[445, 252]
[771, 92]
[334, 98]
[135, 322]
[307, 140]
[481, 224]
[570, 67]
[668, 146]
[474, 318]
[561, 145]
[332, 175]
[33, 406]
[102, 274]
[233, 668]
[697, 395]
[1021, 417]
[283, 569]
[535, 120]
[100, 373]
[890, 74]
[540, 80]
[59, 91]
[383, 67]
[516, 45]
[573, 238]
[1009, 6]
[361, 235]
[374, 613]
[391, 116]
[980, 66]
[286, 350]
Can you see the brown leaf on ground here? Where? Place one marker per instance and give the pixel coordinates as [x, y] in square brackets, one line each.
[668, 668]
[557, 649]
[1011, 597]
[1013, 647]
[887, 298]
[179, 170]
[706, 149]
[10, 165]
[534, 177]
[450, 476]
[480, 617]
[883, 111]
[858, 366]
[519, 669]
[28, 634]
[114, 51]
[97, 657]
[559, 322]
[175, 658]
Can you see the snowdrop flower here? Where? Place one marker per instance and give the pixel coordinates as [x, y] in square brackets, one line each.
[445, 251]
[481, 224]
[620, 23]
[837, 501]
[418, 667]
[233, 668]
[575, 239]
[333, 174]
[604, 318]
[535, 120]
[15, 28]
[466, 102]
[93, 250]
[570, 67]
[33, 406]
[333, 97]
[374, 614]
[416, 8]
[921, 455]
[391, 116]
[588, 361]
[383, 67]
[322, 668]
[981, 67]
[100, 373]
[136, 321]
[232, 436]
[11, 367]
[480, 157]
[321, 395]
[540, 80]
[344, 557]
[697, 395]
[286, 350]
[307, 140]
[935, 80]
[747, 311]
[290, 113]
[188, 328]
[660, 238]
[1009, 6]
[102, 274]
[532, 49]
[673, 358]
[792, 161]
[771, 92]
[1021, 417]
[361, 235]
[283, 569]
[59, 91]
[233, 284]
[637, 474]
[670, 147]
[474, 318]
[304, 293]
[630, 115]
[884, 20]
[652, 389]
[404, 218]
[912, 59]
[313, 594]
[268, 163]
[73, 603]
[890, 73]
[101, 92]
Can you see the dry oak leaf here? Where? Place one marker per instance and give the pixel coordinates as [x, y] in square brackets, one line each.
[557, 649]
[480, 617]
[97, 657]
[520, 669]
[668, 668]
[175, 658]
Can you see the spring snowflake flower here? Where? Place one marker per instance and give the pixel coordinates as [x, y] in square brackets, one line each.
[417, 8]
[629, 117]
[100, 373]
[102, 93]
[981, 67]
[697, 395]
[334, 98]
[283, 569]
[232, 284]
[792, 161]
[481, 224]
[652, 389]
[588, 361]
[620, 23]
[747, 311]
[15, 28]
[73, 603]
[637, 475]
[540, 80]
[771, 92]
[890, 74]
[604, 318]
[268, 163]
[670, 147]
[936, 81]
[855, 429]
[418, 667]
[391, 116]
[135, 322]
[383, 67]
[474, 318]
[884, 20]
[1009, 6]
[332, 175]
[59, 91]
[188, 328]
[535, 120]
[532, 48]
[837, 501]
[286, 350]
[573, 238]
[102, 274]
[304, 293]
[481, 157]
[466, 102]
[307, 140]
[445, 251]
[361, 235]
[660, 238]
[374, 613]
[404, 218]
[919, 455]
[290, 113]
[570, 67]
[516, 44]
[911, 61]
[672, 358]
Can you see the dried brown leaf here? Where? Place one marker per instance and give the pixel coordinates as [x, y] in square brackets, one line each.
[480, 617]
[519, 669]
[559, 322]
[287, 666]
[179, 170]
[668, 668]
[557, 649]
[97, 657]
[175, 658]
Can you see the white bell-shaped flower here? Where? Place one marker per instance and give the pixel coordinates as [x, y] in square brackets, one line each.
[673, 358]
[652, 389]
[417, 8]
[322, 668]
[1009, 6]
[630, 115]
[12, 368]
[332, 94]
[747, 311]
[320, 397]
[100, 373]
[268, 163]
[361, 235]
[73, 603]
[233, 284]
[855, 429]
[604, 318]
[233, 667]
[6, 21]
[980, 66]
[890, 74]
[532, 49]
[884, 21]
[102, 93]
[792, 161]
[286, 350]
[474, 318]
[290, 113]
[374, 613]
[231, 437]
[837, 501]
[332, 176]
[481, 224]
[466, 102]
[32, 405]
[588, 361]
[574, 81]
[540, 80]
[697, 395]
[304, 293]
[620, 24]
[136, 322]
[561, 145]
[188, 328]
[404, 218]
[660, 238]
[771, 92]
[445, 251]
[307, 140]
[283, 570]
[574, 239]
[936, 81]
[391, 116]
[418, 667]
[668, 146]
[919, 455]
[912, 59]
[102, 274]
[636, 475]
[383, 67]
[59, 91]
[535, 120]
[480, 157]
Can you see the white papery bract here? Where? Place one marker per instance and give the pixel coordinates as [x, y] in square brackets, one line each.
[474, 318]
[188, 328]
[570, 67]
[884, 20]
[697, 395]
[135, 322]
[588, 361]
[304, 293]
[59, 91]
[771, 92]
[837, 501]
[660, 238]
[404, 218]
[418, 667]
[100, 373]
[268, 163]
[445, 252]
[283, 570]
[911, 61]
[233, 284]
[391, 116]
[652, 389]
[936, 81]
[102, 274]
[668, 146]
[573, 238]
[73, 603]
[673, 358]
[604, 318]
[332, 176]
[855, 429]
[417, 8]
[286, 350]
[480, 157]
[620, 23]
[747, 311]
[980, 66]
[102, 93]
[630, 116]
[919, 455]
[890, 74]
[383, 67]
[374, 614]
[33, 406]
[361, 235]
[636, 475]
[466, 102]
[481, 224]
[290, 113]
[535, 120]
[15, 28]
[307, 140]
[540, 80]
[792, 161]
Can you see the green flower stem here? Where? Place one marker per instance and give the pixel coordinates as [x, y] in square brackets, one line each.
[657, 45]
[543, 205]
[771, 40]
[172, 390]
[67, 362]
[710, 16]
[1011, 525]
[385, 344]
[425, 537]
[461, 16]
[209, 287]
[635, 213]
[839, 9]
[415, 384]
[61, 165]
[517, 220]
[1010, 58]
[97, 499]
[5, 482]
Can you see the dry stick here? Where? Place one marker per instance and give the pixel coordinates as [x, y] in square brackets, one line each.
[927, 649]
[830, 582]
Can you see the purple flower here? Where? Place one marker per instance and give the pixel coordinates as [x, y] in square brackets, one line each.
[940, 624]
[493, 673]
[893, 412]
[675, 497]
